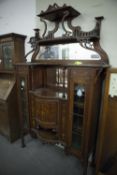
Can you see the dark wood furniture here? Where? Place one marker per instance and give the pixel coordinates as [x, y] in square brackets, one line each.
[9, 121]
[60, 99]
[106, 159]
[11, 51]
[56, 114]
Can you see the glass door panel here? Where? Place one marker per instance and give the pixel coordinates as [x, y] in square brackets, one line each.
[78, 115]
[7, 50]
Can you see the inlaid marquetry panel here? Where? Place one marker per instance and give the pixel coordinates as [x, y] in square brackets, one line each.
[47, 112]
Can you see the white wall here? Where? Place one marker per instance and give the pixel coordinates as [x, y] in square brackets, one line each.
[90, 9]
[18, 16]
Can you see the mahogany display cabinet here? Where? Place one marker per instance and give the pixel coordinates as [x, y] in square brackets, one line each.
[59, 91]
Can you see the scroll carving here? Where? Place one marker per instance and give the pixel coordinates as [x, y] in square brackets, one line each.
[72, 34]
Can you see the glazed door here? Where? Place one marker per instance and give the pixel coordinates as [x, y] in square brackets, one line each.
[79, 95]
[81, 88]
[7, 55]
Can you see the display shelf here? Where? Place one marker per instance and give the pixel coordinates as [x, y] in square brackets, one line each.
[48, 93]
[56, 13]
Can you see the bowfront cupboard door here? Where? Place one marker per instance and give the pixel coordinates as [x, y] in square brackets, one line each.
[80, 124]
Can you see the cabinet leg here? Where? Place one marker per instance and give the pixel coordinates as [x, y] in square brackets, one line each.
[66, 150]
[85, 165]
[22, 140]
[22, 143]
[85, 170]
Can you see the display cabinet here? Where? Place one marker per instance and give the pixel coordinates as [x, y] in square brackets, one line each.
[58, 113]
[11, 50]
[61, 87]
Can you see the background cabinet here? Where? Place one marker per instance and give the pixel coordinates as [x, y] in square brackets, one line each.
[11, 51]
[106, 153]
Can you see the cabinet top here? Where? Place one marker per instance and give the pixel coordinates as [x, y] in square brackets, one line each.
[13, 35]
[64, 63]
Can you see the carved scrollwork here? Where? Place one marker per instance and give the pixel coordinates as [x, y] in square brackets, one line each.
[72, 34]
[59, 14]
[45, 27]
[35, 53]
[67, 33]
[52, 32]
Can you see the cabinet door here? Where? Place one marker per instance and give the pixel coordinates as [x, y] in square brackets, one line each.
[47, 111]
[45, 121]
[7, 55]
[79, 94]
[80, 110]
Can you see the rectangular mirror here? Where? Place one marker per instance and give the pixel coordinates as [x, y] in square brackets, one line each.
[70, 51]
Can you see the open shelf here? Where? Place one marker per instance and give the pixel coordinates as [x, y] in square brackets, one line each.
[48, 93]
[56, 13]
[47, 135]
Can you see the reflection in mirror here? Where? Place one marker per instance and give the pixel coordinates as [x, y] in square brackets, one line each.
[72, 51]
